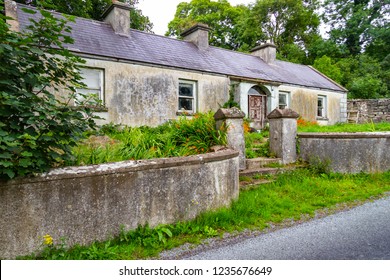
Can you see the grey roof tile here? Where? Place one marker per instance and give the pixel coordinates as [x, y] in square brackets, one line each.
[98, 38]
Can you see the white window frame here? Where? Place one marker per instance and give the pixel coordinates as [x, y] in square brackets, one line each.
[99, 72]
[193, 98]
[322, 110]
[287, 98]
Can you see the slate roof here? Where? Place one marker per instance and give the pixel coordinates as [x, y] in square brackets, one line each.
[98, 38]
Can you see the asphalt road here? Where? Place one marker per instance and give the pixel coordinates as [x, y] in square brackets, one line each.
[359, 233]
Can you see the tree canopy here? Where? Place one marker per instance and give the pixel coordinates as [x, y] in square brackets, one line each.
[94, 9]
[219, 15]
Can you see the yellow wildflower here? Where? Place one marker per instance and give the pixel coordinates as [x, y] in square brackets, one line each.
[47, 240]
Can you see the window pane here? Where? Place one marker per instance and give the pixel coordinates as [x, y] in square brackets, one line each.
[185, 104]
[186, 90]
[91, 77]
[282, 99]
[320, 103]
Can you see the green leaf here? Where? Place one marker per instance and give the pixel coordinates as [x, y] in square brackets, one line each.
[10, 173]
[27, 154]
[167, 231]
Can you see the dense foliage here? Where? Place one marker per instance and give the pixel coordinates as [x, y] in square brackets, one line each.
[37, 130]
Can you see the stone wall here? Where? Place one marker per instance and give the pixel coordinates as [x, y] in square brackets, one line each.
[83, 204]
[367, 110]
[348, 152]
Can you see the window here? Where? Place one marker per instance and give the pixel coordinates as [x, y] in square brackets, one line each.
[94, 80]
[321, 107]
[284, 100]
[187, 96]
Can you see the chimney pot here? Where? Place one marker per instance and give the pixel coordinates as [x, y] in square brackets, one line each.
[198, 35]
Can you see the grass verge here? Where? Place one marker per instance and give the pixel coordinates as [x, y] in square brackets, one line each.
[292, 195]
[304, 126]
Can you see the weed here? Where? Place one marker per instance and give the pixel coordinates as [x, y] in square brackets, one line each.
[319, 166]
[245, 179]
[182, 137]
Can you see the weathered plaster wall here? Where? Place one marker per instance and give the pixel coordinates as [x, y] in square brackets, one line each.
[348, 152]
[304, 102]
[142, 95]
[90, 203]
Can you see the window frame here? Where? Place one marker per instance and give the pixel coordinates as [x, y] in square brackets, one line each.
[193, 97]
[287, 95]
[324, 108]
[101, 88]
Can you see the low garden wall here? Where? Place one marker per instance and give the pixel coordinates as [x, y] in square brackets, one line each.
[347, 152]
[84, 204]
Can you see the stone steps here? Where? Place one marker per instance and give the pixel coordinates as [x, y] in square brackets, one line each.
[260, 171]
[256, 163]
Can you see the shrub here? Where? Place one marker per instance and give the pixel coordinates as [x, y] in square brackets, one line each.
[37, 130]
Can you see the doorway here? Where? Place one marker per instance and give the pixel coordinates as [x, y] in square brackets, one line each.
[257, 107]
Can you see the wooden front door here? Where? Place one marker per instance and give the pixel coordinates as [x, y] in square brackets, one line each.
[257, 110]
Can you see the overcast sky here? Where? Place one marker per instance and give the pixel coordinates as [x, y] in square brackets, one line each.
[161, 12]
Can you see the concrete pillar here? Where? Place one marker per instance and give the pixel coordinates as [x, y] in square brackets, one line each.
[283, 133]
[232, 118]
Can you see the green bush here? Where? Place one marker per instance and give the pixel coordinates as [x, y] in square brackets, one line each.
[37, 130]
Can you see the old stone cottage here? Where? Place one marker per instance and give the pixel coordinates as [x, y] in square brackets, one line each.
[146, 79]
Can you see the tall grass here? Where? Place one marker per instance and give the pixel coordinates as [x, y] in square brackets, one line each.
[182, 137]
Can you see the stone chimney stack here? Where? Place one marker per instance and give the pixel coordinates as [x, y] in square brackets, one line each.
[198, 35]
[266, 52]
[118, 15]
[10, 9]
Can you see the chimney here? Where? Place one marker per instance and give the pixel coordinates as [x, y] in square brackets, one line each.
[198, 35]
[266, 52]
[10, 9]
[118, 15]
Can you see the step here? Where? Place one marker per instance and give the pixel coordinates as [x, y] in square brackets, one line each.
[254, 163]
[254, 183]
[260, 171]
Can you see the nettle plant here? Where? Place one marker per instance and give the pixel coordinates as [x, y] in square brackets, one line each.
[38, 129]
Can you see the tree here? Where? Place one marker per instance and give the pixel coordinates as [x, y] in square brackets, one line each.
[325, 65]
[37, 127]
[286, 23]
[363, 77]
[219, 15]
[94, 9]
[353, 22]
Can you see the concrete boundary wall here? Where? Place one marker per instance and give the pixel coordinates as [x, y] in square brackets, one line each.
[83, 204]
[348, 152]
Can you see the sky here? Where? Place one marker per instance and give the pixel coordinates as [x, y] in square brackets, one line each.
[161, 12]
